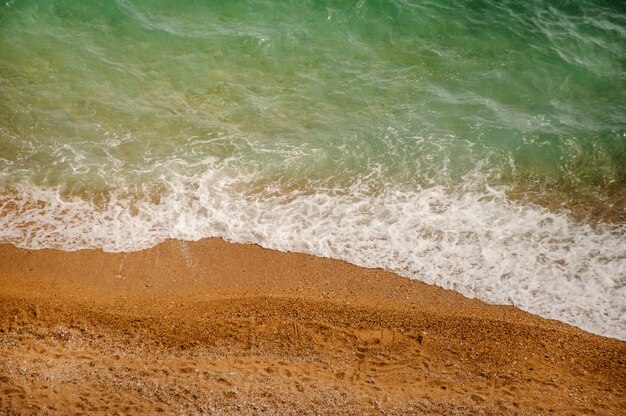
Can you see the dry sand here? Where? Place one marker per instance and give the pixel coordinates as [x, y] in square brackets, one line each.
[216, 328]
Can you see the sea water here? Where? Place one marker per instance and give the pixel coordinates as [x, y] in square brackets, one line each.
[476, 145]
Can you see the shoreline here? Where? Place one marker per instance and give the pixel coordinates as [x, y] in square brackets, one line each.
[210, 326]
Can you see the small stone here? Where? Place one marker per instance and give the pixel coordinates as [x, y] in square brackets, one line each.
[232, 393]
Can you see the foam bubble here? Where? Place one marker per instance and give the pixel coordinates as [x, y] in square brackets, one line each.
[478, 243]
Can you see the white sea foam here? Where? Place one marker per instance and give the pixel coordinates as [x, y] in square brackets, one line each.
[478, 243]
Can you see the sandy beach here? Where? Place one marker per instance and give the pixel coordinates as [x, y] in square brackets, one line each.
[210, 327]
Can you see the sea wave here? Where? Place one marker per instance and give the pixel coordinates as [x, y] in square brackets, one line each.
[481, 244]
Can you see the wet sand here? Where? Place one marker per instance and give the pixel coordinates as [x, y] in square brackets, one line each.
[215, 328]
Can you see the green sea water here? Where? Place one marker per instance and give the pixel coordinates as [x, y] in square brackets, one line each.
[110, 94]
[447, 141]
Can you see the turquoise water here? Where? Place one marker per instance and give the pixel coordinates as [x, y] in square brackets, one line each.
[480, 146]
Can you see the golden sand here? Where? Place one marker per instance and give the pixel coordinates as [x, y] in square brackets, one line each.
[215, 328]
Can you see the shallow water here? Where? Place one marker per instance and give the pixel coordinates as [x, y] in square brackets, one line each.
[480, 147]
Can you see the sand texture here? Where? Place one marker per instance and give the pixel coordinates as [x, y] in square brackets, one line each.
[216, 328]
